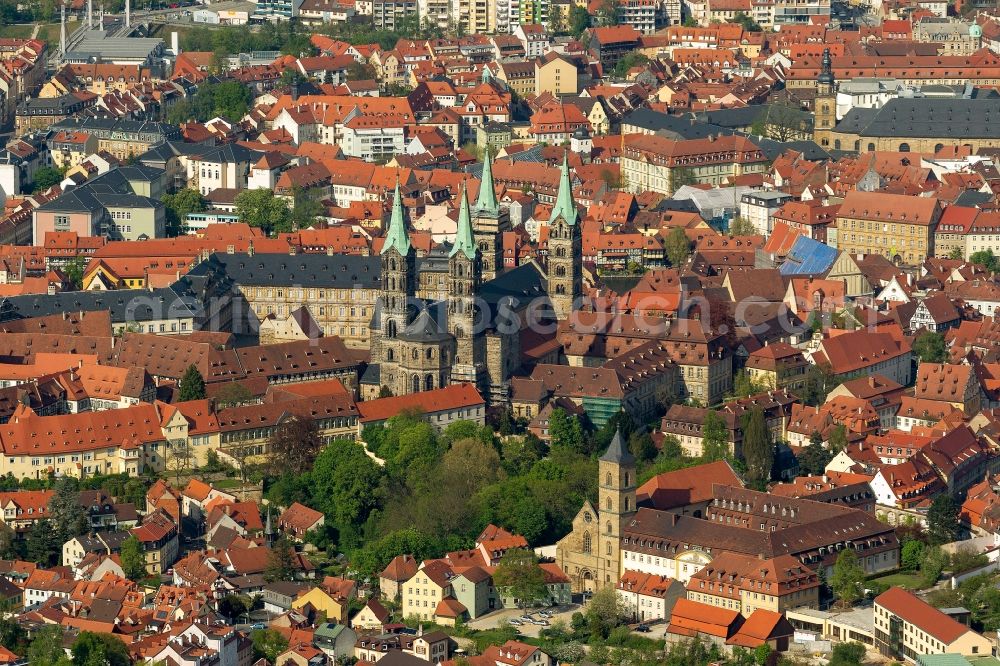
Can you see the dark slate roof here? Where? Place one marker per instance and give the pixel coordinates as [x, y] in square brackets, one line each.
[956, 119]
[428, 326]
[125, 305]
[342, 271]
[772, 149]
[973, 198]
[515, 288]
[673, 126]
[618, 452]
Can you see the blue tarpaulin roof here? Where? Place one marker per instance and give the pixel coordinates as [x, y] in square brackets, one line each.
[808, 257]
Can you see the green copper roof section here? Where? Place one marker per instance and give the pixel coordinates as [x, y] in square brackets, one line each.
[397, 237]
[464, 242]
[564, 200]
[487, 204]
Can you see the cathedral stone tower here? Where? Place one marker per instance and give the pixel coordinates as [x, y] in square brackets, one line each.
[825, 110]
[616, 498]
[399, 283]
[490, 223]
[565, 256]
[464, 278]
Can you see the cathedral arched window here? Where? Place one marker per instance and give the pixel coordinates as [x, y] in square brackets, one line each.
[391, 331]
[430, 353]
[627, 506]
[626, 479]
[609, 528]
[586, 542]
[461, 270]
[904, 147]
[607, 504]
[607, 479]
[390, 355]
[416, 383]
[560, 271]
[415, 354]
[560, 252]
[392, 264]
[429, 383]
[459, 332]
[609, 548]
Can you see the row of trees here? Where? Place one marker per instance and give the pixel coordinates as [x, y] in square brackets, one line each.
[228, 99]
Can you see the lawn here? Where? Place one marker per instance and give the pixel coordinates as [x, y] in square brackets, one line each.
[224, 484]
[909, 581]
[18, 30]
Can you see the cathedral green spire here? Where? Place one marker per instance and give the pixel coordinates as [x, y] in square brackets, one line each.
[464, 242]
[565, 205]
[487, 204]
[397, 236]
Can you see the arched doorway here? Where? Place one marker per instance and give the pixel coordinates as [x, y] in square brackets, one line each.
[588, 580]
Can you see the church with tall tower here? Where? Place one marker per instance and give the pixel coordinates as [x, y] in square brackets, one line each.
[590, 555]
[565, 265]
[473, 335]
[825, 108]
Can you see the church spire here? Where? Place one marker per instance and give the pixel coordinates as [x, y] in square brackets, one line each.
[487, 204]
[565, 205]
[397, 237]
[464, 241]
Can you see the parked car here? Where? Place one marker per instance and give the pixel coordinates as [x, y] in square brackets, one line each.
[527, 618]
[643, 628]
[259, 625]
[545, 613]
[516, 622]
[541, 622]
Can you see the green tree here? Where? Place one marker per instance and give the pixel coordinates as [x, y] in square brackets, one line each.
[69, 518]
[306, 208]
[345, 483]
[192, 385]
[96, 649]
[677, 246]
[816, 457]
[74, 270]
[280, 561]
[744, 385]
[758, 449]
[46, 647]
[930, 348]
[956, 253]
[179, 206]
[642, 447]
[46, 177]
[630, 60]
[838, 438]
[609, 13]
[848, 654]
[986, 259]
[934, 562]
[748, 23]
[233, 394]
[180, 112]
[261, 208]
[819, 381]
[681, 176]
[579, 20]
[565, 431]
[848, 578]
[268, 644]
[605, 611]
[740, 226]
[12, 636]
[912, 555]
[133, 559]
[714, 438]
[520, 577]
[942, 520]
